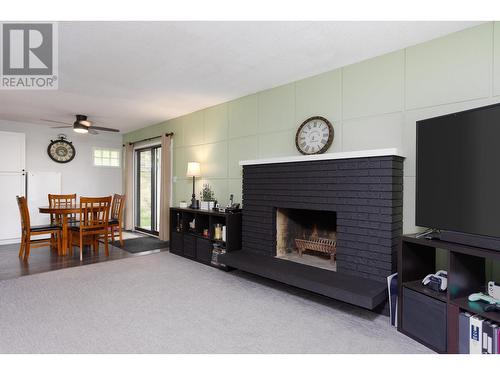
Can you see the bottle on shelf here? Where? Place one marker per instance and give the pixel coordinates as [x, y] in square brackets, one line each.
[218, 232]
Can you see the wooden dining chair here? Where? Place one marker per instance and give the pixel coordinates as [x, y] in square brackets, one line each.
[27, 231]
[116, 217]
[93, 224]
[61, 200]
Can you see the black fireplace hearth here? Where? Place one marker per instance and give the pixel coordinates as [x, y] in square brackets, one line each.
[357, 202]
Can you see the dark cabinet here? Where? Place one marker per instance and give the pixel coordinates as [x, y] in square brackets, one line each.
[424, 318]
[176, 243]
[197, 241]
[203, 250]
[190, 246]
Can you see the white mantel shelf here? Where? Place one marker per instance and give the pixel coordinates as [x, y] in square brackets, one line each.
[330, 156]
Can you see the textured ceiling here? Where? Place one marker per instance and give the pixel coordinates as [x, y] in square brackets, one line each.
[133, 74]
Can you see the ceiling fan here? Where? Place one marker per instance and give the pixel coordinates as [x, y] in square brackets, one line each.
[82, 125]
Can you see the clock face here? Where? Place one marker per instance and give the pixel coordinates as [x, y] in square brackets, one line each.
[61, 151]
[314, 136]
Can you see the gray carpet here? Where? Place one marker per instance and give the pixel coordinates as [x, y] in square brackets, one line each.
[162, 303]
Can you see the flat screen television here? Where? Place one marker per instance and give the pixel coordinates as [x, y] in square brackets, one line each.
[458, 172]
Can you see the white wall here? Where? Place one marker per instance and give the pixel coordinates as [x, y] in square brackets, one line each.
[78, 176]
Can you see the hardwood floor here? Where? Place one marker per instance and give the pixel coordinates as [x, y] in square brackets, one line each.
[43, 259]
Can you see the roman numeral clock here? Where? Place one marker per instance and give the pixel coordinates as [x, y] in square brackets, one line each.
[314, 136]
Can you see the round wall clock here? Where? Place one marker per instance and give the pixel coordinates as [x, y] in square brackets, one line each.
[314, 136]
[61, 150]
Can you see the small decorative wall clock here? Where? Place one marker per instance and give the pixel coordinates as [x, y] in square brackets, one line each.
[314, 136]
[61, 150]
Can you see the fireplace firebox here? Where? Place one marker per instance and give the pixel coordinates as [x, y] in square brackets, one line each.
[307, 237]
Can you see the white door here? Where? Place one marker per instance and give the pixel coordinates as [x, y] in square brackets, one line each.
[11, 184]
[12, 152]
[12, 181]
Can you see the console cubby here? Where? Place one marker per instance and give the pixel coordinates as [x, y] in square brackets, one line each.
[467, 275]
[216, 220]
[469, 269]
[202, 223]
[187, 218]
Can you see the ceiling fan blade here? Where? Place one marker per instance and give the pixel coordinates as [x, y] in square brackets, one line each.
[61, 127]
[105, 129]
[57, 122]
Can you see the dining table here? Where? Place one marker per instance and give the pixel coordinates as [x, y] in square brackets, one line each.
[63, 211]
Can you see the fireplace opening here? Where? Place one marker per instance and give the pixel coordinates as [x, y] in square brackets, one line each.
[307, 237]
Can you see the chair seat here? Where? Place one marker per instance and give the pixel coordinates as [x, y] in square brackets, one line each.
[45, 227]
[113, 222]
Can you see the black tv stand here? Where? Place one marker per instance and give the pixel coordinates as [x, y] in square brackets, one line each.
[431, 317]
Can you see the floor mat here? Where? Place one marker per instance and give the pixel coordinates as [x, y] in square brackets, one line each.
[138, 245]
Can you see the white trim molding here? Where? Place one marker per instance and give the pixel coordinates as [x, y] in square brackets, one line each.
[328, 156]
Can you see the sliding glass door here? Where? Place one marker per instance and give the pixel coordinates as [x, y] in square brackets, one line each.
[148, 189]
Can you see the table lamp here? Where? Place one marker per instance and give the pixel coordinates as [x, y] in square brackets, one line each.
[193, 170]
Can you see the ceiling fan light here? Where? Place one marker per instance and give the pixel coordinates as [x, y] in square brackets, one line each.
[79, 128]
[85, 123]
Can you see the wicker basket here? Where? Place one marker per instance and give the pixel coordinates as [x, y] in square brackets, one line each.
[321, 245]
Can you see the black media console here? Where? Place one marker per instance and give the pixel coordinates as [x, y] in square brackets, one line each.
[432, 317]
[191, 243]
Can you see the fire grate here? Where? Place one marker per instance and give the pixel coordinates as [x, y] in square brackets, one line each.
[321, 245]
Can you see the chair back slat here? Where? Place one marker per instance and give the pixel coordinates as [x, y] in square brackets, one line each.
[94, 212]
[61, 200]
[117, 207]
[24, 212]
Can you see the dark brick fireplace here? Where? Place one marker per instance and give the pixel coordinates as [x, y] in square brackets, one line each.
[365, 194]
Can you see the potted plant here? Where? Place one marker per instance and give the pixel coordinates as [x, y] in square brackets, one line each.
[207, 197]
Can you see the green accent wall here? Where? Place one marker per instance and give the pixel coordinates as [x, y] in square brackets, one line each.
[372, 104]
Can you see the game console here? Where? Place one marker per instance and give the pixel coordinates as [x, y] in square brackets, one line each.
[494, 290]
[437, 281]
[474, 297]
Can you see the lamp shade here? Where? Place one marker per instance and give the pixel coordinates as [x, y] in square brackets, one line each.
[193, 169]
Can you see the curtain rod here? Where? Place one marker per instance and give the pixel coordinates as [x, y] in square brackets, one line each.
[149, 139]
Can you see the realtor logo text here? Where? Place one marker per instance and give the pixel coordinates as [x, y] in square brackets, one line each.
[29, 56]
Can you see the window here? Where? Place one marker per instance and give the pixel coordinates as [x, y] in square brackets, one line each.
[106, 157]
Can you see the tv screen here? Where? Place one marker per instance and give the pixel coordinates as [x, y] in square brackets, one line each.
[458, 172]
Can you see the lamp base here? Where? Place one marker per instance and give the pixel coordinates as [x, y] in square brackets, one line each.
[195, 204]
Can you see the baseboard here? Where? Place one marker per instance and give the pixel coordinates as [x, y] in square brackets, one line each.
[10, 241]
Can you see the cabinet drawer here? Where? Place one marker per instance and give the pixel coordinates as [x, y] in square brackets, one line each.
[189, 246]
[424, 318]
[203, 250]
[176, 243]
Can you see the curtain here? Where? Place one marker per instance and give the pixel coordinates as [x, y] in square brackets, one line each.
[128, 182]
[165, 188]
